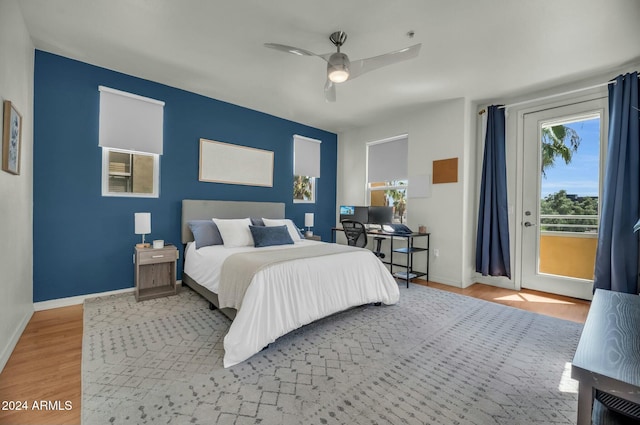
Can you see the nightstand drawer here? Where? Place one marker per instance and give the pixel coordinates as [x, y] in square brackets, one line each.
[157, 256]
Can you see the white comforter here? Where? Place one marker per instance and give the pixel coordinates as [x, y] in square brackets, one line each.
[285, 296]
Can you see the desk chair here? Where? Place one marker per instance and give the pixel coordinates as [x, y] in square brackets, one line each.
[378, 252]
[355, 232]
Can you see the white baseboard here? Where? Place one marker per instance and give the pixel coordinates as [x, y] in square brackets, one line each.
[65, 302]
[445, 281]
[13, 341]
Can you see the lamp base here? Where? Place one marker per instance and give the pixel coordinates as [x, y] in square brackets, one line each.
[143, 245]
[308, 233]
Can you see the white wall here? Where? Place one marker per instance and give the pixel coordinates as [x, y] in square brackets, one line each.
[435, 131]
[16, 192]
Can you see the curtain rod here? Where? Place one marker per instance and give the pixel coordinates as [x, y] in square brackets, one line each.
[482, 111]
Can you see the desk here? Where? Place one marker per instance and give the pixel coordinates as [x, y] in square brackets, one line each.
[408, 273]
[608, 354]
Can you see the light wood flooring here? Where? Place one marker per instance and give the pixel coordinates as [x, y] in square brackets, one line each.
[45, 364]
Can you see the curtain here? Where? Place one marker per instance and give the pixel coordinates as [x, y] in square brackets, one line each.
[492, 243]
[616, 266]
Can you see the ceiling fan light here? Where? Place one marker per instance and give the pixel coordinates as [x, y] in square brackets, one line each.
[338, 75]
[338, 68]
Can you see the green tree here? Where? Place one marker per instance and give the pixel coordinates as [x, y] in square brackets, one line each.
[558, 141]
[399, 199]
[302, 188]
[560, 204]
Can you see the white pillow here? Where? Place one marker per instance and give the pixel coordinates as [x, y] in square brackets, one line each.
[235, 232]
[293, 230]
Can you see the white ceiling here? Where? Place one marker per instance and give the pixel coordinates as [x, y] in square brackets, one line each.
[478, 49]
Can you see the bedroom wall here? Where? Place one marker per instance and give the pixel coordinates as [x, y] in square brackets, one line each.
[16, 191]
[83, 242]
[435, 131]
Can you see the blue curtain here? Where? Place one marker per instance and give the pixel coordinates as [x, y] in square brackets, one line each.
[492, 243]
[617, 254]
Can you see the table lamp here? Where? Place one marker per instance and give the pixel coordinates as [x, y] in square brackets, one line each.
[308, 223]
[142, 227]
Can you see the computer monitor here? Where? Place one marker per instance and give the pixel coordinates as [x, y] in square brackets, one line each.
[356, 213]
[361, 214]
[380, 215]
[347, 209]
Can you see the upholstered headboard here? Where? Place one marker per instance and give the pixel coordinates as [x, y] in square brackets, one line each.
[193, 209]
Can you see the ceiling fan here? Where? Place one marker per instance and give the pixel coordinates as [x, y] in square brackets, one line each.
[341, 69]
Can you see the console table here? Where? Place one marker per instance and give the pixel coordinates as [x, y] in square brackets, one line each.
[608, 355]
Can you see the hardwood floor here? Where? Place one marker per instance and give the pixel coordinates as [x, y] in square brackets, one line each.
[45, 365]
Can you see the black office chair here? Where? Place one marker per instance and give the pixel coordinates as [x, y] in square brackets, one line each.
[355, 232]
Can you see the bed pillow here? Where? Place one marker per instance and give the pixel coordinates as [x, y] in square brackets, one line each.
[205, 233]
[235, 232]
[270, 236]
[257, 221]
[293, 230]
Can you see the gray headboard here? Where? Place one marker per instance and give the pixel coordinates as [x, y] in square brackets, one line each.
[193, 209]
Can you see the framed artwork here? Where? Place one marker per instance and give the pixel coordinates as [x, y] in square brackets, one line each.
[235, 164]
[11, 138]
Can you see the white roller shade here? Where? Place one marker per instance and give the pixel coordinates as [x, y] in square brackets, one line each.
[130, 122]
[306, 156]
[388, 160]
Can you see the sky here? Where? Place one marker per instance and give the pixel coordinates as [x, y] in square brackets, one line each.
[580, 177]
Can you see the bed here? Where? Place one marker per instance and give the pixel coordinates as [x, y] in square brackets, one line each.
[272, 290]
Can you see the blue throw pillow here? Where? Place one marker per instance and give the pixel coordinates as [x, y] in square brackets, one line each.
[205, 233]
[270, 236]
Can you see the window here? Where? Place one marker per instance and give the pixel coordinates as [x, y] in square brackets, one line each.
[387, 181]
[304, 189]
[306, 168]
[131, 137]
[127, 173]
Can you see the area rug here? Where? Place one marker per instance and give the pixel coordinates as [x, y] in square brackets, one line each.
[434, 358]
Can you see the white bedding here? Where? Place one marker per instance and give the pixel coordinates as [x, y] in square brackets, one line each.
[286, 296]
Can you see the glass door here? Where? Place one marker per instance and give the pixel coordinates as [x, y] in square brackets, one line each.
[561, 191]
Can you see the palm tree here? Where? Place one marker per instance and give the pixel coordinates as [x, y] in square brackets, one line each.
[554, 145]
[302, 188]
[398, 196]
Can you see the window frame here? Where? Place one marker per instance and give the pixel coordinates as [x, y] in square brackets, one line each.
[105, 175]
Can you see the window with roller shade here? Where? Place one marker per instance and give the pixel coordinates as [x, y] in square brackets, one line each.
[306, 168]
[131, 138]
[387, 175]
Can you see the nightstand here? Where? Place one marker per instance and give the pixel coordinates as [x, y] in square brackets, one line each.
[313, 238]
[155, 272]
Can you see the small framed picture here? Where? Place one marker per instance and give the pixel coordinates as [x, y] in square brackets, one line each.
[11, 138]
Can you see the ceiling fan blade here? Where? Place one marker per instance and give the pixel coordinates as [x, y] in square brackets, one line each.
[290, 49]
[361, 66]
[330, 91]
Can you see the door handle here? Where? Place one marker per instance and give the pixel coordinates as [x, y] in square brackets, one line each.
[528, 224]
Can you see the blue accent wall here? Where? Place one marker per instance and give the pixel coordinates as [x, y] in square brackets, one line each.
[83, 242]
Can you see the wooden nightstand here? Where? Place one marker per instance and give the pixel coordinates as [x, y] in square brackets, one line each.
[155, 272]
[313, 238]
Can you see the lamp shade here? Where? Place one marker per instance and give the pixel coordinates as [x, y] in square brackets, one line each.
[142, 223]
[308, 220]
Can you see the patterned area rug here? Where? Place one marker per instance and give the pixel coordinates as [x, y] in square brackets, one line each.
[434, 358]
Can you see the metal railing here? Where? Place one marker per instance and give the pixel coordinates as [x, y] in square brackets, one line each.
[569, 223]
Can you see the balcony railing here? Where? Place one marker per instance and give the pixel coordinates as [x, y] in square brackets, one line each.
[569, 223]
[568, 245]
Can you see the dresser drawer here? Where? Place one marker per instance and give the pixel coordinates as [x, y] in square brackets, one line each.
[154, 256]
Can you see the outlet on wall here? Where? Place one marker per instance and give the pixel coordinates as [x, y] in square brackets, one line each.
[436, 252]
